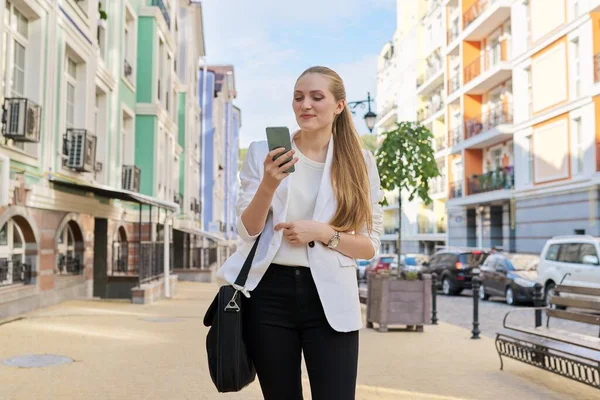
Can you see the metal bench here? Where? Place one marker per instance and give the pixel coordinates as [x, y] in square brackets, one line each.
[569, 354]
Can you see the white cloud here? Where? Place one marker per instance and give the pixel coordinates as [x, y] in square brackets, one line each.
[255, 35]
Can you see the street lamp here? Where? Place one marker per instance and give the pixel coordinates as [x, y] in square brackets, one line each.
[370, 117]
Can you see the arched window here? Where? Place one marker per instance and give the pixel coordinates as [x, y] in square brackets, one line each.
[69, 259]
[12, 254]
[120, 252]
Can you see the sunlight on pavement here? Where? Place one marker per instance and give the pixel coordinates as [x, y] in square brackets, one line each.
[407, 393]
[110, 333]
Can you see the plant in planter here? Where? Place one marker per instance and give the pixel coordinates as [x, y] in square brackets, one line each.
[406, 162]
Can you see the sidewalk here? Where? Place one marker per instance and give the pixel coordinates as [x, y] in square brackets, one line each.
[127, 351]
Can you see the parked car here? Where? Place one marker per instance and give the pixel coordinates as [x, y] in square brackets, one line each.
[361, 271]
[381, 262]
[571, 260]
[509, 275]
[454, 268]
[413, 262]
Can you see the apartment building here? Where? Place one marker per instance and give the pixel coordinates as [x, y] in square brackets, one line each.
[510, 93]
[408, 88]
[92, 149]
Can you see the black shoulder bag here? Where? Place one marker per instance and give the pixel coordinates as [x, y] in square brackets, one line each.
[231, 369]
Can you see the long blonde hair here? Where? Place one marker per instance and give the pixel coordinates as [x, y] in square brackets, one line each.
[349, 175]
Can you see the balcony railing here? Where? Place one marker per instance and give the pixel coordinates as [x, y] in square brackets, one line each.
[439, 143]
[597, 68]
[485, 61]
[429, 72]
[163, 9]
[452, 32]
[70, 264]
[496, 115]
[456, 136]
[127, 70]
[145, 259]
[456, 190]
[436, 185]
[14, 271]
[453, 84]
[475, 11]
[500, 179]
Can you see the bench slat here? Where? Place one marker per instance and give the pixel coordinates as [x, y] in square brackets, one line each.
[578, 290]
[572, 316]
[565, 348]
[577, 303]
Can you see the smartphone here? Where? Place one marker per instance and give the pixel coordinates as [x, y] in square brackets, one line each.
[280, 137]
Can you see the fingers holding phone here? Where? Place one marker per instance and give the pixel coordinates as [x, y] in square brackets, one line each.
[277, 165]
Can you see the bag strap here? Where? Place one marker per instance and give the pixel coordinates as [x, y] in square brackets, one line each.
[243, 275]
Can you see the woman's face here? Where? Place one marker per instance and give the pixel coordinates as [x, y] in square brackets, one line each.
[314, 104]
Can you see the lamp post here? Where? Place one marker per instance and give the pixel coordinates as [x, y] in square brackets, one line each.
[370, 117]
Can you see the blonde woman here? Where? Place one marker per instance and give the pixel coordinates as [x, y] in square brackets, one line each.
[301, 292]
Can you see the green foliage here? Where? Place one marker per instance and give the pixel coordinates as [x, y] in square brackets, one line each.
[103, 14]
[241, 158]
[369, 142]
[406, 160]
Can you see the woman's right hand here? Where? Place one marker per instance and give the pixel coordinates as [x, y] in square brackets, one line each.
[275, 170]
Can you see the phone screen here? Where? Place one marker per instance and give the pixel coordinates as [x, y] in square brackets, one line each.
[280, 137]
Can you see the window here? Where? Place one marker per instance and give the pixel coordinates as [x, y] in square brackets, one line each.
[569, 253]
[496, 159]
[14, 63]
[127, 143]
[168, 99]
[578, 149]
[529, 92]
[12, 253]
[586, 250]
[552, 253]
[529, 158]
[71, 82]
[69, 262]
[161, 67]
[101, 32]
[576, 67]
[129, 46]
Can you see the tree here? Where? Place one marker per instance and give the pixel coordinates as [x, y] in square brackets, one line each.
[241, 158]
[369, 142]
[406, 161]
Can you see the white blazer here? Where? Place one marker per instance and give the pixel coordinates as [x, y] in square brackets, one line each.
[333, 272]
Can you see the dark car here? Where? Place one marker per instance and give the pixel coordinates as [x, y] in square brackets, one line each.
[454, 268]
[511, 276]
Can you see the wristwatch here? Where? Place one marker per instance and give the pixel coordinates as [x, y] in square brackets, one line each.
[334, 241]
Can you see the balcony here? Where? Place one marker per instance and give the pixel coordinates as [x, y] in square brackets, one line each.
[431, 74]
[456, 190]
[453, 84]
[387, 115]
[439, 143]
[163, 9]
[488, 70]
[456, 136]
[452, 32]
[430, 109]
[488, 128]
[500, 179]
[596, 67]
[437, 185]
[483, 17]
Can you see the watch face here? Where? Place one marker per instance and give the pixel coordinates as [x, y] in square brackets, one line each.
[334, 242]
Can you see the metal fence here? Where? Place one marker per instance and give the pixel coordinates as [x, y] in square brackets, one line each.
[14, 271]
[145, 259]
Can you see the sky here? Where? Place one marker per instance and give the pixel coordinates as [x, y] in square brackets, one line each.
[270, 43]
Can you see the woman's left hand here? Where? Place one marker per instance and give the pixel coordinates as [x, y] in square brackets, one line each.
[302, 232]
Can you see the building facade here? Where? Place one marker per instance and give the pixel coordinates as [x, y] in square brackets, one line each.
[511, 96]
[221, 152]
[90, 94]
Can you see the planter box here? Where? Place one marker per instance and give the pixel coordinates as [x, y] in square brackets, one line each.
[392, 301]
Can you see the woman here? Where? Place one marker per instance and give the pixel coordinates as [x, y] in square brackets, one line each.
[312, 224]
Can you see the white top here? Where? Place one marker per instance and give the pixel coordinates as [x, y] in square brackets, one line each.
[304, 187]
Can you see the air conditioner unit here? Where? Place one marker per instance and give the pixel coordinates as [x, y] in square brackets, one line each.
[80, 150]
[131, 178]
[21, 120]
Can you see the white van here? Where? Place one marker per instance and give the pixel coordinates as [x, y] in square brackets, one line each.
[570, 260]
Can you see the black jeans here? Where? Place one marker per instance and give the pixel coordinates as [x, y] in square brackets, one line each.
[284, 318]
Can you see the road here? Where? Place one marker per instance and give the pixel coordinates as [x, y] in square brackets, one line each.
[458, 310]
